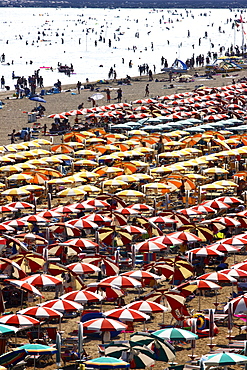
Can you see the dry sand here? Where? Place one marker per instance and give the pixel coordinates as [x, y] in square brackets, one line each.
[12, 116]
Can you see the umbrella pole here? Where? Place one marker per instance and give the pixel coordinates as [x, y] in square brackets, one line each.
[34, 362]
[199, 303]
[21, 299]
[60, 323]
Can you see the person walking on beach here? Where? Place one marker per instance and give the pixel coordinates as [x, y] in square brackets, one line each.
[108, 95]
[12, 137]
[119, 95]
[2, 82]
[147, 90]
[78, 85]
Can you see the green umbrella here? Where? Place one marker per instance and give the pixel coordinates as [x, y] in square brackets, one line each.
[107, 363]
[225, 359]
[175, 334]
[141, 357]
[38, 349]
[116, 349]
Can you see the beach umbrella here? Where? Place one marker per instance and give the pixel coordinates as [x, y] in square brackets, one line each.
[230, 200]
[204, 252]
[135, 230]
[18, 320]
[123, 282]
[185, 236]
[175, 334]
[236, 273]
[235, 240]
[202, 232]
[81, 268]
[224, 359]
[14, 192]
[7, 209]
[20, 205]
[167, 240]
[23, 285]
[141, 207]
[71, 192]
[224, 248]
[110, 267]
[150, 246]
[82, 224]
[104, 324]
[215, 204]
[97, 218]
[17, 271]
[217, 277]
[12, 358]
[7, 329]
[240, 266]
[204, 209]
[227, 221]
[34, 218]
[62, 305]
[126, 314]
[41, 312]
[33, 261]
[82, 296]
[42, 280]
[147, 307]
[141, 275]
[55, 269]
[107, 363]
[162, 220]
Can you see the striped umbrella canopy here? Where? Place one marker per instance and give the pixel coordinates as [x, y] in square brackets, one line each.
[147, 307]
[81, 243]
[82, 224]
[20, 205]
[23, 285]
[217, 277]
[110, 267]
[32, 260]
[38, 349]
[18, 273]
[126, 314]
[107, 363]
[122, 281]
[141, 275]
[203, 252]
[12, 358]
[224, 359]
[236, 273]
[41, 312]
[62, 305]
[150, 246]
[175, 334]
[104, 324]
[82, 296]
[80, 268]
[18, 320]
[205, 284]
[42, 280]
[167, 240]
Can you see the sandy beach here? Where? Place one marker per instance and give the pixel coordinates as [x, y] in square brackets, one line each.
[14, 114]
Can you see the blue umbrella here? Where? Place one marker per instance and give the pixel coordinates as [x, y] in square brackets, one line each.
[107, 363]
[38, 99]
[12, 358]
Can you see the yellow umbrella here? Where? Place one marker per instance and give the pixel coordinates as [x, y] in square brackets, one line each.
[7, 159]
[226, 153]
[114, 182]
[60, 180]
[39, 152]
[32, 187]
[138, 132]
[174, 143]
[42, 141]
[86, 152]
[19, 177]
[157, 185]
[161, 169]
[38, 162]
[241, 150]
[144, 149]
[15, 192]
[195, 176]
[26, 166]
[142, 176]
[31, 144]
[75, 178]
[212, 186]
[127, 178]
[130, 194]
[71, 192]
[173, 154]
[86, 162]
[75, 144]
[89, 175]
[216, 170]
[226, 183]
[10, 169]
[63, 157]
[14, 156]
[89, 188]
[53, 160]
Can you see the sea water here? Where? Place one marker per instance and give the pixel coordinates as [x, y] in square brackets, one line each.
[33, 38]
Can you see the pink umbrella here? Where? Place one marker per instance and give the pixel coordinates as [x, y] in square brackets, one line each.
[18, 320]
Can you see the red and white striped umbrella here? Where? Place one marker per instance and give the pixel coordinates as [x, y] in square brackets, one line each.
[218, 277]
[34, 218]
[224, 248]
[126, 314]
[127, 211]
[24, 286]
[110, 266]
[167, 240]
[190, 212]
[16, 223]
[238, 304]
[66, 209]
[82, 296]
[95, 217]
[150, 246]
[185, 236]
[204, 209]
[205, 285]
[4, 227]
[41, 312]
[50, 214]
[81, 268]
[97, 203]
[122, 281]
[141, 207]
[62, 305]
[7, 209]
[42, 280]
[240, 266]
[215, 204]
[81, 243]
[20, 205]
[228, 221]
[141, 275]
[203, 252]
[82, 206]
[147, 306]
[135, 230]
[236, 240]
[104, 324]
[18, 320]
[236, 273]
[82, 224]
[230, 200]
[162, 220]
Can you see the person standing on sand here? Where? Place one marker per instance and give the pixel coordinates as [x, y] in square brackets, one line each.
[119, 95]
[12, 137]
[108, 95]
[78, 85]
[147, 90]
[2, 82]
